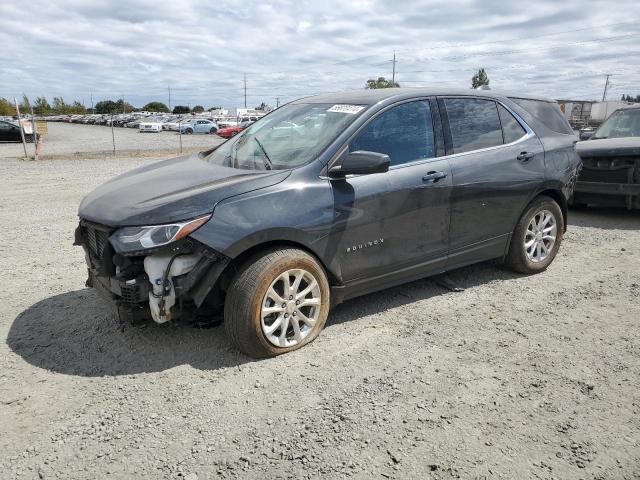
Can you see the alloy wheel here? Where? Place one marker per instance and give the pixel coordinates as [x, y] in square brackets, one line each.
[540, 237]
[290, 308]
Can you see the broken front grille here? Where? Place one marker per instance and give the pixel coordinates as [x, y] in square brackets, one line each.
[97, 241]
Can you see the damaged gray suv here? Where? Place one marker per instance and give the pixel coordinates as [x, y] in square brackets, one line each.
[328, 198]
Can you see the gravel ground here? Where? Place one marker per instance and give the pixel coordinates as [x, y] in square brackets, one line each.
[66, 140]
[515, 377]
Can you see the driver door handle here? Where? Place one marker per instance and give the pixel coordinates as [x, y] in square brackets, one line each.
[434, 176]
[525, 156]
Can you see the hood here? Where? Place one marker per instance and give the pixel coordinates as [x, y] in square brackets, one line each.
[609, 147]
[169, 191]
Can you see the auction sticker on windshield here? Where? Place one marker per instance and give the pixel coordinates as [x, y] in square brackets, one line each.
[351, 109]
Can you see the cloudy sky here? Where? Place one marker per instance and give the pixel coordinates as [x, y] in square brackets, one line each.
[288, 49]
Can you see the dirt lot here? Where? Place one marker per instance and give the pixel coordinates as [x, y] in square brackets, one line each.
[516, 377]
[66, 140]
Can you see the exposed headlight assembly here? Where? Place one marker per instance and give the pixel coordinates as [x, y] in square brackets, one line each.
[131, 239]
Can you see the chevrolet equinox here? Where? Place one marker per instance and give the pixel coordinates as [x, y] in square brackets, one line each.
[328, 198]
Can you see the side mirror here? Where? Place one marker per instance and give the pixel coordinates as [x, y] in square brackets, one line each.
[360, 163]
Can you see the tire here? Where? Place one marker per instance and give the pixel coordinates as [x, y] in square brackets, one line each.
[233, 134]
[188, 131]
[250, 291]
[519, 258]
[213, 130]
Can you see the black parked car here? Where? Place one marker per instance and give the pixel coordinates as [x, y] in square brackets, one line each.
[611, 162]
[10, 132]
[371, 189]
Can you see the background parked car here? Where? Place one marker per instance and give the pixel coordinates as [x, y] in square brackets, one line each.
[610, 173]
[173, 124]
[586, 132]
[152, 124]
[199, 126]
[10, 132]
[229, 132]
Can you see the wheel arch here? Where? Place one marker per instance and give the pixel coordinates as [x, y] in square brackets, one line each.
[223, 281]
[551, 191]
[560, 199]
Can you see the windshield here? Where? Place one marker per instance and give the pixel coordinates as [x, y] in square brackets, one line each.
[621, 123]
[290, 136]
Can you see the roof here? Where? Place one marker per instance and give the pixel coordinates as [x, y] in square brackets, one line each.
[373, 96]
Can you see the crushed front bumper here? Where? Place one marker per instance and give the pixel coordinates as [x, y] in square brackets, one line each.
[123, 281]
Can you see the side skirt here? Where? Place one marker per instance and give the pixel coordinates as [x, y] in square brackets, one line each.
[479, 252]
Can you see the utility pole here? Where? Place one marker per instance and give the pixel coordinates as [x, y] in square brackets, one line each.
[277, 102]
[245, 90]
[606, 86]
[122, 106]
[24, 142]
[91, 102]
[393, 75]
[169, 87]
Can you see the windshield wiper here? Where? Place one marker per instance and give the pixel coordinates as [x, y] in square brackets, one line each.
[268, 163]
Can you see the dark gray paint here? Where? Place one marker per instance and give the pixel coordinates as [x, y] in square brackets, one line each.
[426, 227]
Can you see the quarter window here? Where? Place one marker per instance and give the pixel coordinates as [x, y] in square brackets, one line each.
[474, 123]
[511, 128]
[405, 133]
[548, 113]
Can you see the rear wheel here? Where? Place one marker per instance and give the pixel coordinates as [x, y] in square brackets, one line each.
[277, 302]
[213, 130]
[537, 236]
[233, 134]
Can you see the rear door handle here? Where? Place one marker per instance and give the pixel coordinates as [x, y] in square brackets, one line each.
[434, 176]
[525, 156]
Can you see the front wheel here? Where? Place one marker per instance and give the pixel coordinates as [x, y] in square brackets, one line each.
[277, 302]
[537, 236]
[188, 131]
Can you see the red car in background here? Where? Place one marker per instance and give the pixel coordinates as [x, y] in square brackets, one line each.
[229, 132]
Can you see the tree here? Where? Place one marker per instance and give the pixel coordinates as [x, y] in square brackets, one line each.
[198, 109]
[124, 107]
[41, 106]
[479, 79]
[263, 107]
[181, 109]
[213, 108]
[156, 107]
[381, 82]
[77, 107]
[106, 106]
[631, 99]
[109, 106]
[60, 107]
[25, 105]
[6, 108]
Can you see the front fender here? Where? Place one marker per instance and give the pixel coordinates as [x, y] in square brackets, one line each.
[296, 211]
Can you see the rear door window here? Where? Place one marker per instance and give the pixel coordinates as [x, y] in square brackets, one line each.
[405, 133]
[511, 128]
[474, 123]
[546, 112]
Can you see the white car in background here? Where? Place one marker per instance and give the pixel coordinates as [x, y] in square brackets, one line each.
[151, 125]
[173, 125]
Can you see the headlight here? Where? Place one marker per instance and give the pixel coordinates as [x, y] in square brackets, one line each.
[130, 239]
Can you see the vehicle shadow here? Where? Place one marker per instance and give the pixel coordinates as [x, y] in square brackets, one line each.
[606, 218]
[73, 334]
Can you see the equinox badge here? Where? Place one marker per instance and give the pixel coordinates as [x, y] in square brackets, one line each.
[361, 246]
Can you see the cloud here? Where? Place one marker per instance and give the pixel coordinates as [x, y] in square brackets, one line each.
[80, 49]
